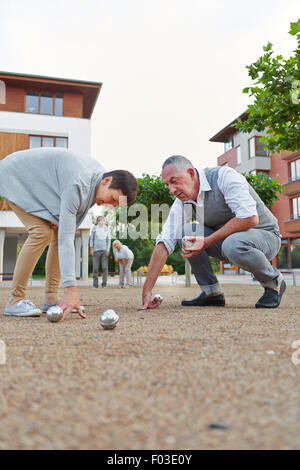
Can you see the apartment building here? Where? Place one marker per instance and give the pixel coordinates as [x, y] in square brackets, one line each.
[38, 111]
[245, 153]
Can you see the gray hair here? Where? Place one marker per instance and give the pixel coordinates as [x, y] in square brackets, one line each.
[179, 161]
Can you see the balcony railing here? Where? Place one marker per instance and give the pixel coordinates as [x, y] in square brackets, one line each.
[292, 225]
[291, 180]
[292, 186]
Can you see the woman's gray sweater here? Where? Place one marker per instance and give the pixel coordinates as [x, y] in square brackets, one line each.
[54, 184]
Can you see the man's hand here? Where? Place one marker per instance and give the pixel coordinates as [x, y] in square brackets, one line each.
[69, 301]
[92, 251]
[199, 245]
[147, 302]
[232, 226]
[158, 259]
[107, 254]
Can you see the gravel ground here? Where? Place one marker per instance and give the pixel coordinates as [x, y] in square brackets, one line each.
[159, 380]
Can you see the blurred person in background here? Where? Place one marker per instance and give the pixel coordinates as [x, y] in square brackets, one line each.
[124, 256]
[99, 248]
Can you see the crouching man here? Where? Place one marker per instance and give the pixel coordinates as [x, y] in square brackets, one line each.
[237, 228]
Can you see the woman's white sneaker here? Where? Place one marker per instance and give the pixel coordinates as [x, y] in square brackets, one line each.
[24, 308]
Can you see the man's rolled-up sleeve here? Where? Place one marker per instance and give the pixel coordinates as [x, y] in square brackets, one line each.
[236, 193]
[172, 229]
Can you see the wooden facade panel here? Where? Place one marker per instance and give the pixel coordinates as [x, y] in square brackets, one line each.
[73, 105]
[16, 96]
[14, 100]
[11, 142]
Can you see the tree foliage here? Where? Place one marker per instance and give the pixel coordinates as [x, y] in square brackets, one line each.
[152, 190]
[266, 187]
[276, 93]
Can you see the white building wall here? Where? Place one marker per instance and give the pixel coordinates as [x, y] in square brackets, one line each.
[249, 164]
[10, 250]
[78, 130]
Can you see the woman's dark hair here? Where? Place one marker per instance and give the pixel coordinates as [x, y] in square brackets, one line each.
[125, 181]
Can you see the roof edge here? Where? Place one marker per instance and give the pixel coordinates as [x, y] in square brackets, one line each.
[228, 130]
[44, 77]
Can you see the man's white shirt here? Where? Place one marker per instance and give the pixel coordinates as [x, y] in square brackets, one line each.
[100, 238]
[232, 185]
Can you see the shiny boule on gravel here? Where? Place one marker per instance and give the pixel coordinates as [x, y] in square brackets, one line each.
[55, 313]
[109, 319]
[158, 297]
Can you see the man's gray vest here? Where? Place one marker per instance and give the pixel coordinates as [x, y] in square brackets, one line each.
[217, 212]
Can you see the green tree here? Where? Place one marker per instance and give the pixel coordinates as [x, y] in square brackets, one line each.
[276, 93]
[152, 190]
[39, 269]
[142, 250]
[266, 187]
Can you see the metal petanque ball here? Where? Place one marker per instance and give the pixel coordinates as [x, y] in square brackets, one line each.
[55, 313]
[158, 297]
[109, 319]
[187, 243]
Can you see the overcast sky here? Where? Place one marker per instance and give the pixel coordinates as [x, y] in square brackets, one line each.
[172, 70]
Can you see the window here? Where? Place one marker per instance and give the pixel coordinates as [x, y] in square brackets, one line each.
[35, 141]
[260, 151]
[44, 103]
[228, 144]
[283, 255]
[32, 102]
[48, 141]
[296, 208]
[295, 170]
[45, 141]
[46, 106]
[62, 142]
[256, 148]
[295, 252]
[252, 147]
[238, 155]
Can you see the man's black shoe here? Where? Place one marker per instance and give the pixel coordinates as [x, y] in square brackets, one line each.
[204, 301]
[271, 298]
